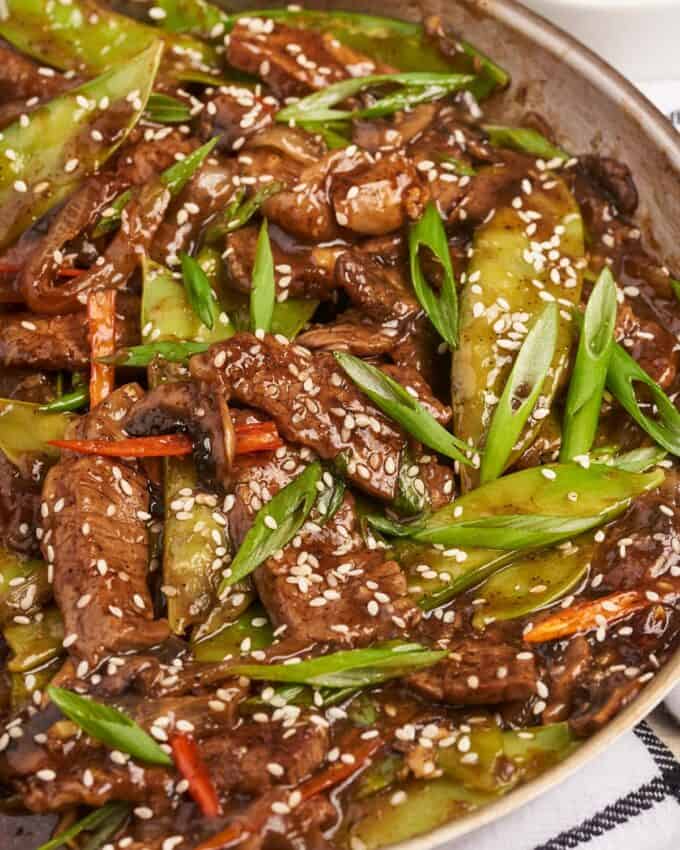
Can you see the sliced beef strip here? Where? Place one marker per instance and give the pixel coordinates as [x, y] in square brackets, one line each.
[235, 114]
[479, 671]
[327, 587]
[313, 403]
[300, 270]
[614, 179]
[292, 61]
[95, 538]
[350, 189]
[26, 385]
[642, 547]
[654, 347]
[22, 79]
[61, 342]
[19, 506]
[241, 761]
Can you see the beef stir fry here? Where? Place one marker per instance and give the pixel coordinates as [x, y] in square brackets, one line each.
[269, 578]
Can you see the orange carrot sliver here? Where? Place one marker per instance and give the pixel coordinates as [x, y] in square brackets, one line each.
[192, 767]
[257, 437]
[588, 615]
[101, 318]
[166, 445]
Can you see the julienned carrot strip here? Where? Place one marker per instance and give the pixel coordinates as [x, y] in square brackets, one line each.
[101, 318]
[193, 769]
[588, 615]
[257, 437]
[329, 778]
[166, 445]
[62, 271]
[248, 439]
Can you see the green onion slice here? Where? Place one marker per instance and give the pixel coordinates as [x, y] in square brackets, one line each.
[143, 355]
[521, 392]
[390, 397]
[163, 109]
[199, 292]
[263, 288]
[110, 815]
[275, 524]
[107, 724]
[442, 308]
[588, 377]
[524, 140]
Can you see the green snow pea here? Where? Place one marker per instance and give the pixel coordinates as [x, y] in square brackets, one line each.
[25, 431]
[534, 581]
[43, 161]
[23, 585]
[86, 37]
[505, 279]
[252, 630]
[34, 644]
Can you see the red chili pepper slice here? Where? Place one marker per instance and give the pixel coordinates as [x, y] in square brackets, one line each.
[193, 769]
[166, 445]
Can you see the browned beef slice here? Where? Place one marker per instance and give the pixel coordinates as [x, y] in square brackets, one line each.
[313, 403]
[256, 478]
[60, 342]
[22, 79]
[19, 506]
[244, 760]
[479, 672]
[642, 547]
[292, 61]
[234, 115]
[614, 178]
[380, 293]
[327, 587]
[95, 512]
[654, 347]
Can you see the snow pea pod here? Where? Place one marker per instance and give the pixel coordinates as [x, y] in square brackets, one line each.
[435, 576]
[509, 280]
[86, 37]
[24, 685]
[533, 582]
[25, 431]
[43, 161]
[252, 630]
[563, 493]
[193, 533]
[23, 585]
[34, 644]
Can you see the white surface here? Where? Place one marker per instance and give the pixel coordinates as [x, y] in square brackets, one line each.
[639, 37]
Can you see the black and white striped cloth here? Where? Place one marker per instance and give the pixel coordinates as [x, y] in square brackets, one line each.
[628, 798]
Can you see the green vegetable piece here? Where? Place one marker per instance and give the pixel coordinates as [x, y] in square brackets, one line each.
[173, 178]
[67, 402]
[24, 685]
[533, 582]
[584, 400]
[34, 644]
[168, 318]
[275, 524]
[107, 724]
[253, 627]
[138, 356]
[189, 549]
[197, 17]
[380, 774]
[506, 279]
[483, 775]
[25, 431]
[441, 307]
[638, 460]
[430, 803]
[457, 166]
[419, 86]
[23, 585]
[435, 576]
[390, 397]
[240, 210]
[110, 813]
[533, 507]
[521, 392]
[663, 424]
[43, 161]
[538, 747]
[263, 287]
[164, 109]
[89, 38]
[524, 140]
[352, 668]
[200, 293]
[675, 286]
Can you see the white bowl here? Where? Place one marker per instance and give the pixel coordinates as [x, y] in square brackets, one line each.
[638, 37]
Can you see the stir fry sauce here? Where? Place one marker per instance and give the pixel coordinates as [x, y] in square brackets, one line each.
[338, 432]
